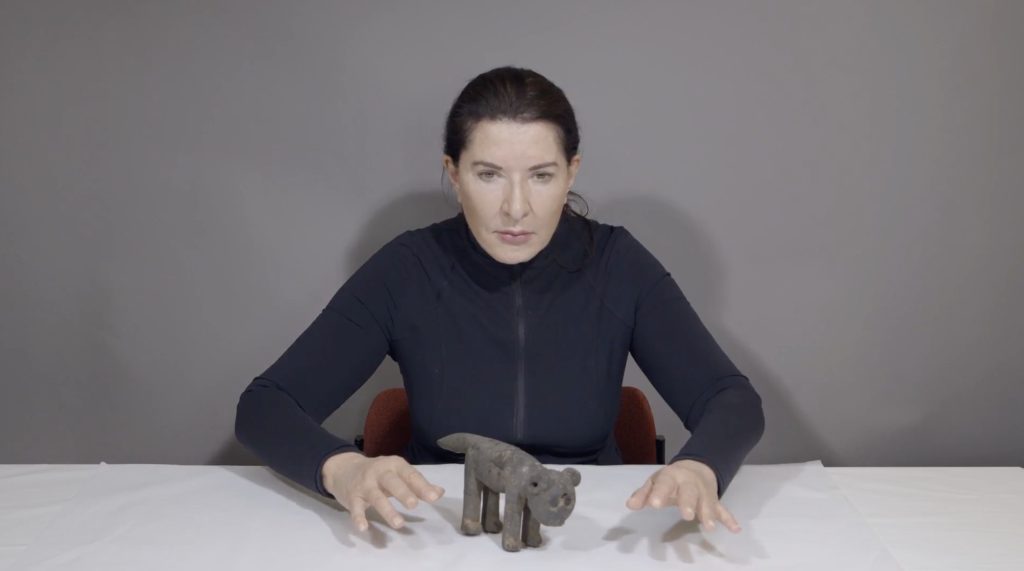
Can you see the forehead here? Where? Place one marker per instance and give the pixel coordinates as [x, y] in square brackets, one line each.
[514, 144]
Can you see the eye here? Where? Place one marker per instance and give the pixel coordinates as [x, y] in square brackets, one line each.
[534, 484]
[545, 176]
[487, 175]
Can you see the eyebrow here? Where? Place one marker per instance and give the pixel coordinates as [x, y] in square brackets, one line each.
[496, 167]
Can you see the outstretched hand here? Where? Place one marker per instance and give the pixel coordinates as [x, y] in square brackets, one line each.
[689, 485]
[359, 483]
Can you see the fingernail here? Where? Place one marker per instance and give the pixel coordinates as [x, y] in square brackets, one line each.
[396, 522]
[432, 496]
[656, 502]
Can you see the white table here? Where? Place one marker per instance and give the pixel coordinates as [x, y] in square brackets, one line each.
[794, 516]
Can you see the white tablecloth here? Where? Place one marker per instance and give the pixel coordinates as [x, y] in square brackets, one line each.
[942, 518]
[794, 517]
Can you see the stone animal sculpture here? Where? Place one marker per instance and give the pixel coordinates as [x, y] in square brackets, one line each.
[534, 494]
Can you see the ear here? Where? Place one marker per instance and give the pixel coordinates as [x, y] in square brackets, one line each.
[451, 169]
[574, 167]
[574, 476]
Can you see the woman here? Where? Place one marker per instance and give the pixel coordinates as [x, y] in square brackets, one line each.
[512, 319]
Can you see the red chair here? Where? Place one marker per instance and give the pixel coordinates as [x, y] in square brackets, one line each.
[388, 427]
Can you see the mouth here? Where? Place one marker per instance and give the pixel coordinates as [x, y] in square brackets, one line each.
[514, 237]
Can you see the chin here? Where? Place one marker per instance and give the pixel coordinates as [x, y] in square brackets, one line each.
[513, 257]
[512, 260]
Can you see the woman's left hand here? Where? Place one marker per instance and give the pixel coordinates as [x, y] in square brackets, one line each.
[691, 486]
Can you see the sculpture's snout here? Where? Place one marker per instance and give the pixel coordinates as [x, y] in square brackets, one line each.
[561, 502]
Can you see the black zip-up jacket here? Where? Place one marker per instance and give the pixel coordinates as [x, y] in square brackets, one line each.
[532, 353]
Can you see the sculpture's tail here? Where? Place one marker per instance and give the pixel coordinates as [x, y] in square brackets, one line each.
[457, 442]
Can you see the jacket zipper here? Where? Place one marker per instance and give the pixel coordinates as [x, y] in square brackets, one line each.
[520, 405]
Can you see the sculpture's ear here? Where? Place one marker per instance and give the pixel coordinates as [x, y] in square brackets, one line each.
[574, 475]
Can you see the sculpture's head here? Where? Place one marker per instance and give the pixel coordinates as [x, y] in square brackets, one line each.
[551, 495]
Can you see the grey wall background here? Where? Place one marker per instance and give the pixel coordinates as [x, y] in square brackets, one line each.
[836, 186]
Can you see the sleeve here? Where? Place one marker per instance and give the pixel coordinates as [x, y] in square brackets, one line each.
[279, 415]
[685, 364]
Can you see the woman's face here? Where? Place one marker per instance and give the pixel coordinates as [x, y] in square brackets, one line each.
[512, 181]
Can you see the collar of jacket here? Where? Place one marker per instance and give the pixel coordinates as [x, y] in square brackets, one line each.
[564, 252]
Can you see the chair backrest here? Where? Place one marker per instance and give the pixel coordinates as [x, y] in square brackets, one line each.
[388, 426]
[634, 428]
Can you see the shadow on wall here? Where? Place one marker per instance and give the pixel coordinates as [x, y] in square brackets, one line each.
[676, 239]
[415, 209]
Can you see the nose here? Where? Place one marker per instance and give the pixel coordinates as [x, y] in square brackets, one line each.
[516, 204]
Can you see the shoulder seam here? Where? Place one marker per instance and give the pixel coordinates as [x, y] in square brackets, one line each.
[601, 295]
[645, 289]
[401, 241]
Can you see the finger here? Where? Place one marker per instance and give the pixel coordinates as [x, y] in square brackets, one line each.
[639, 497]
[688, 497]
[420, 486]
[726, 517]
[394, 485]
[663, 490]
[380, 503]
[358, 513]
[708, 510]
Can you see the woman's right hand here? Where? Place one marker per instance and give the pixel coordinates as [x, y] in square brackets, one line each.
[358, 482]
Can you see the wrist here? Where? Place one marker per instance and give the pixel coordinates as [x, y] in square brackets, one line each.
[336, 464]
[699, 467]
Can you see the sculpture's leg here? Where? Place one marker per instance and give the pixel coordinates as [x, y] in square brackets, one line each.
[492, 520]
[531, 529]
[471, 503]
[511, 535]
